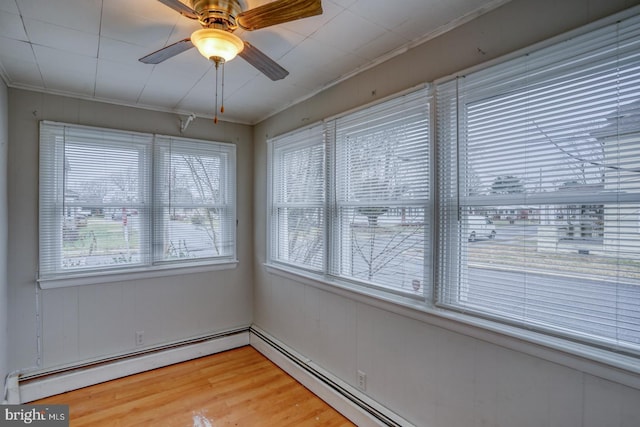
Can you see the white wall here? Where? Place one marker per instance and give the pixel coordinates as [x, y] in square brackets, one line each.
[4, 143]
[435, 374]
[69, 325]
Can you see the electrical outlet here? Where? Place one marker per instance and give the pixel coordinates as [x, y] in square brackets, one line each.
[362, 380]
[140, 338]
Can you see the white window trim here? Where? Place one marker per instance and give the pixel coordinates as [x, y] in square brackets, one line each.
[161, 270]
[157, 206]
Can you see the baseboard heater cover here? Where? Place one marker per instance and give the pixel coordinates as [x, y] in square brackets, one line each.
[44, 384]
[351, 402]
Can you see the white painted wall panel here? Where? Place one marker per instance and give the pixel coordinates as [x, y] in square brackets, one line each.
[610, 404]
[60, 326]
[565, 396]
[22, 237]
[4, 143]
[290, 298]
[103, 319]
[399, 356]
[336, 333]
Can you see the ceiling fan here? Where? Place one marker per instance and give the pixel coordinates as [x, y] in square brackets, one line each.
[220, 18]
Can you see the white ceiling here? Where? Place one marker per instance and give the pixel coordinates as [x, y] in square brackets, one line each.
[90, 49]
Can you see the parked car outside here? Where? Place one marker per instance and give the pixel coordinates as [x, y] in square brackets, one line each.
[117, 216]
[481, 227]
[80, 220]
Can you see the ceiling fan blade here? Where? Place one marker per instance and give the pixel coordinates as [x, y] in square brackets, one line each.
[262, 62]
[180, 8]
[278, 12]
[167, 52]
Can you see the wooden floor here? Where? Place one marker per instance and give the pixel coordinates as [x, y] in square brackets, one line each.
[236, 388]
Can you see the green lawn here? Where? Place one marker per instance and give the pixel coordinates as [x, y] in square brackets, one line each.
[100, 236]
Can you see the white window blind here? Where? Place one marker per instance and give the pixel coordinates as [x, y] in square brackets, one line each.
[380, 194]
[194, 210]
[88, 174]
[101, 213]
[298, 199]
[539, 184]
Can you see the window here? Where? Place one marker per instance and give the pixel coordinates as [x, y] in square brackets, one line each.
[357, 209]
[298, 199]
[381, 198]
[101, 211]
[539, 171]
[194, 215]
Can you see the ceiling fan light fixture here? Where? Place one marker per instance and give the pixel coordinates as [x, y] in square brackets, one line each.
[217, 44]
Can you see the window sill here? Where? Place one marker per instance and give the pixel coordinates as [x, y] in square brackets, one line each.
[621, 368]
[320, 281]
[133, 274]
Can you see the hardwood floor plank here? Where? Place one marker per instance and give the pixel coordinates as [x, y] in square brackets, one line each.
[235, 388]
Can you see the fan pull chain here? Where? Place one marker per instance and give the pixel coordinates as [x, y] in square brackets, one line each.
[215, 118]
[222, 92]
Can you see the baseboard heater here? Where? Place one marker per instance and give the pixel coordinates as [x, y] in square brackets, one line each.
[375, 413]
[37, 385]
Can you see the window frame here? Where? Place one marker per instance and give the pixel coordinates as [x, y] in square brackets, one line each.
[450, 284]
[328, 274]
[167, 146]
[52, 185]
[306, 138]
